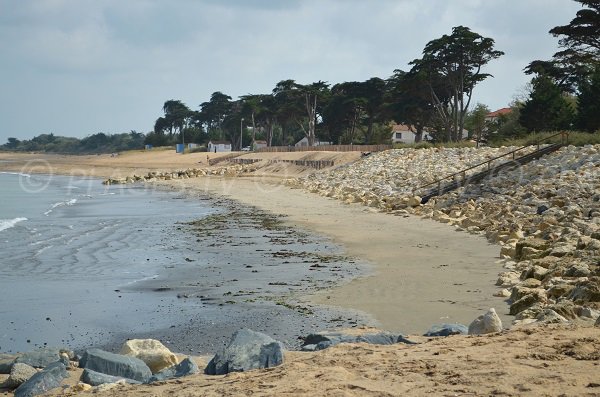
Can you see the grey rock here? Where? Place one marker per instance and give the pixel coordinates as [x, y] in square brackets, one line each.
[549, 316]
[19, 374]
[597, 323]
[40, 358]
[6, 362]
[447, 330]
[323, 340]
[116, 365]
[44, 381]
[541, 209]
[246, 350]
[94, 378]
[486, 323]
[184, 368]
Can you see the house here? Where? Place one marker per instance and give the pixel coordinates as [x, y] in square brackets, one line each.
[192, 146]
[259, 144]
[218, 146]
[304, 142]
[402, 133]
[493, 116]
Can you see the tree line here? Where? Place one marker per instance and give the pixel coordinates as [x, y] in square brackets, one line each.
[96, 143]
[433, 96]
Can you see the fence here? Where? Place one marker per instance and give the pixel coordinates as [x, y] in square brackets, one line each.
[318, 164]
[223, 158]
[326, 148]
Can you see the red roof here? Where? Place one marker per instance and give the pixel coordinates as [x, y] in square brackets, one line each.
[499, 112]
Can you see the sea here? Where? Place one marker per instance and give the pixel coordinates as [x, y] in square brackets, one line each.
[70, 245]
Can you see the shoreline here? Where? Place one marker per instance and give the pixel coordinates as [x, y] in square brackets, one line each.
[444, 275]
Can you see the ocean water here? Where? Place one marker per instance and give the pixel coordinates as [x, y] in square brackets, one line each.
[67, 248]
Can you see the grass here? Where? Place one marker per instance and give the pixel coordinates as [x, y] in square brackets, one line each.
[576, 138]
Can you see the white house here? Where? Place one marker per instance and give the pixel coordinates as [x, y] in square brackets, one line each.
[218, 146]
[304, 142]
[402, 133]
[259, 144]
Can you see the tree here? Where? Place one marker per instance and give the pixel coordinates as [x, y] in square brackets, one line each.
[582, 35]
[588, 103]
[12, 143]
[213, 112]
[453, 66]
[580, 49]
[409, 100]
[475, 122]
[312, 95]
[547, 108]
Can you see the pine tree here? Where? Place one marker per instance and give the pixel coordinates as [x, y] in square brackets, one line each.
[546, 109]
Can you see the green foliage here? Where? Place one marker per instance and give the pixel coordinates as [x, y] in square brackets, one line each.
[475, 122]
[575, 138]
[453, 66]
[429, 145]
[97, 143]
[588, 104]
[547, 109]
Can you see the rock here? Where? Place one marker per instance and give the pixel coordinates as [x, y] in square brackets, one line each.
[535, 272]
[526, 302]
[94, 378]
[49, 378]
[578, 270]
[447, 330]
[414, 201]
[40, 358]
[323, 340]
[503, 293]
[565, 308]
[6, 362]
[597, 323]
[549, 316]
[531, 246]
[541, 209]
[116, 365]
[156, 356]
[585, 292]
[509, 251]
[19, 374]
[589, 312]
[184, 368]
[486, 323]
[531, 283]
[246, 350]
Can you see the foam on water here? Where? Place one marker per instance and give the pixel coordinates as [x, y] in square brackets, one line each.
[8, 223]
[60, 204]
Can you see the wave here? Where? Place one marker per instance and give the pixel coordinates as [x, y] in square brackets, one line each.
[60, 204]
[16, 173]
[8, 223]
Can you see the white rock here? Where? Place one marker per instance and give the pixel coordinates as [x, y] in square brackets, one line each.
[156, 355]
[486, 323]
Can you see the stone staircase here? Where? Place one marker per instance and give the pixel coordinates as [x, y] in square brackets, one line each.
[459, 179]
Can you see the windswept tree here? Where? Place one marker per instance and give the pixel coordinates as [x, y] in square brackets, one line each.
[453, 65]
[214, 111]
[409, 101]
[313, 96]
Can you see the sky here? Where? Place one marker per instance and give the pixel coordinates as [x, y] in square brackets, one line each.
[79, 67]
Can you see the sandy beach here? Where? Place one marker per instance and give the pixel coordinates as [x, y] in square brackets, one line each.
[422, 272]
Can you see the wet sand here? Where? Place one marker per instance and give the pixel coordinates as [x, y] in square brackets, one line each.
[425, 272]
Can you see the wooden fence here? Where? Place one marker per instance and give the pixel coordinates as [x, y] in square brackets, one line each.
[326, 148]
[318, 164]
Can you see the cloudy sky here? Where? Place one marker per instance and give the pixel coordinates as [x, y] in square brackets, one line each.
[78, 67]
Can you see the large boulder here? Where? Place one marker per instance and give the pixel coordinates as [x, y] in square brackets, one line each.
[94, 378]
[186, 367]
[246, 350]
[41, 358]
[43, 381]
[6, 362]
[156, 355]
[19, 374]
[486, 323]
[116, 365]
[447, 330]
